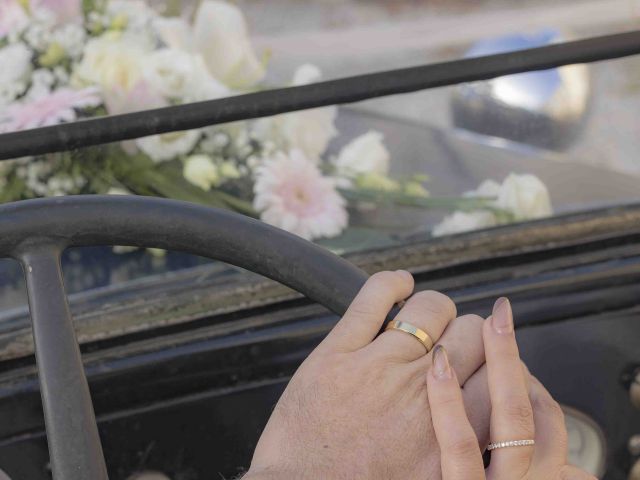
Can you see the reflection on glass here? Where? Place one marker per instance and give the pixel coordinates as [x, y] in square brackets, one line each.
[544, 108]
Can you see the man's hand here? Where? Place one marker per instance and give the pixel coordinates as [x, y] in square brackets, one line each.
[358, 408]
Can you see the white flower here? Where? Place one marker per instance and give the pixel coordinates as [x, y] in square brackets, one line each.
[113, 62]
[220, 34]
[13, 17]
[525, 196]
[305, 74]
[365, 154]
[202, 85]
[488, 188]
[167, 146]
[41, 82]
[174, 32]
[178, 74]
[201, 171]
[169, 70]
[15, 60]
[37, 33]
[215, 139]
[459, 222]
[141, 96]
[71, 37]
[137, 13]
[61, 74]
[308, 130]
[62, 11]
[291, 193]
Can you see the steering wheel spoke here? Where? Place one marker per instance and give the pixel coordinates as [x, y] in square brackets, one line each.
[74, 444]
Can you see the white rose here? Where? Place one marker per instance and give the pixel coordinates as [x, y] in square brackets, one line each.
[459, 222]
[113, 62]
[525, 196]
[16, 69]
[202, 85]
[220, 34]
[310, 130]
[488, 188]
[169, 70]
[168, 146]
[365, 154]
[174, 32]
[201, 171]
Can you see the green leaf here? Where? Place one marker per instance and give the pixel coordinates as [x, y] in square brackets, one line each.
[380, 197]
[357, 239]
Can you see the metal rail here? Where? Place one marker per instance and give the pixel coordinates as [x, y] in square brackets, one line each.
[36, 231]
[96, 131]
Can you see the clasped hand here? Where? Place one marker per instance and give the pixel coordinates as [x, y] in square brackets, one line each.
[367, 407]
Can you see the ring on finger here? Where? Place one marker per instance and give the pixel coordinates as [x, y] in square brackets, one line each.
[512, 443]
[419, 334]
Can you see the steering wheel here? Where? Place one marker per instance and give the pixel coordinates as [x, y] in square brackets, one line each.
[35, 232]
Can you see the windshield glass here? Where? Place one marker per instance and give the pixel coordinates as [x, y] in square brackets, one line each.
[373, 174]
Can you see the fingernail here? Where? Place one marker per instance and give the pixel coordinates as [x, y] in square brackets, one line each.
[502, 317]
[441, 368]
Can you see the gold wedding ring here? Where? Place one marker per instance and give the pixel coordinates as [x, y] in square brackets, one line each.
[419, 334]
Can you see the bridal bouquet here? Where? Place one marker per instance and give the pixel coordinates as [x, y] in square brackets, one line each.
[64, 60]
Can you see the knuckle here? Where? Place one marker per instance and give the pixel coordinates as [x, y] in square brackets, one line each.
[470, 322]
[547, 406]
[436, 303]
[472, 318]
[520, 414]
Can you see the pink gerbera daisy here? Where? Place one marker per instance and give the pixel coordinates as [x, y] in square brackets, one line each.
[55, 107]
[291, 193]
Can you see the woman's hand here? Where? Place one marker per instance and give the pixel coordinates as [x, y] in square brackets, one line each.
[357, 408]
[522, 409]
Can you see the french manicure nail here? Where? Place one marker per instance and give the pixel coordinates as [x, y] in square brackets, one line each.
[502, 317]
[441, 368]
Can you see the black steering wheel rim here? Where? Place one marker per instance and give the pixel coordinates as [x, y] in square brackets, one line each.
[87, 220]
[35, 232]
